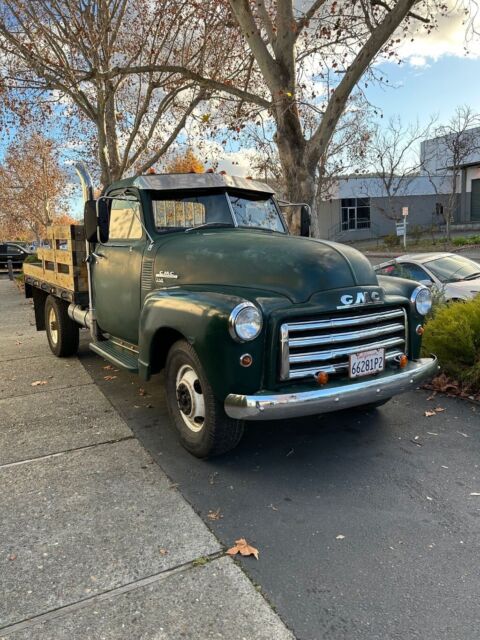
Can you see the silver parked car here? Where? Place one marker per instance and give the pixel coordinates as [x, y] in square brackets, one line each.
[458, 278]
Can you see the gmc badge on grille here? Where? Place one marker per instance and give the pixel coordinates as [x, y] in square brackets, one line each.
[359, 298]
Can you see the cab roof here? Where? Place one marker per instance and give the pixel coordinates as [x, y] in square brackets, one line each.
[191, 181]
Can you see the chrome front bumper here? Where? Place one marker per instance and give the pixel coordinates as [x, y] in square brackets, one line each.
[275, 406]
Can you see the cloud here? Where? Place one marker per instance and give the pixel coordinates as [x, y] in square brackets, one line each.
[451, 37]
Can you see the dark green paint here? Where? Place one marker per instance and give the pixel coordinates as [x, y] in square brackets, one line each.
[286, 276]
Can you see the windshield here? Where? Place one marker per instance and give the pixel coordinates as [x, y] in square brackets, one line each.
[173, 213]
[453, 268]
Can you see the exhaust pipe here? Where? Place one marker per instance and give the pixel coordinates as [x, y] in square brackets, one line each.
[86, 318]
[80, 315]
[85, 180]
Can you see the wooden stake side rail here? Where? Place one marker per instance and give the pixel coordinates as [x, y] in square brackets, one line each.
[61, 261]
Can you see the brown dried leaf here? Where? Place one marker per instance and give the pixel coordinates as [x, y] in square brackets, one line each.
[428, 414]
[163, 552]
[242, 547]
[109, 377]
[214, 515]
[38, 383]
[12, 556]
[108, 367]
[439, 409]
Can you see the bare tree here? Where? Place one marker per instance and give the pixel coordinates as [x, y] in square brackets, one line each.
[393, 163]
[455, 144]
[70, 59]
[34, 189]
[307, 58]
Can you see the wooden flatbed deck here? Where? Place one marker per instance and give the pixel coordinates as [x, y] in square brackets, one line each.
[61, 269]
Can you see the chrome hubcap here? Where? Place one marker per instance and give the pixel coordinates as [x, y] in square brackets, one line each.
[190, 399]
[52, 325]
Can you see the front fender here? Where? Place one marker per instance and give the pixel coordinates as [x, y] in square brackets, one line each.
[201, 317]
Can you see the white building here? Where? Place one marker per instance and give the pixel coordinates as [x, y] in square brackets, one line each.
[361, 206]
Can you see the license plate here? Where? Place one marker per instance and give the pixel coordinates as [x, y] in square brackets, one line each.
[366, 363]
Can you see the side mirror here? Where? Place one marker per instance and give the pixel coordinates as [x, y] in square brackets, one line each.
[90, 220]
[103, 216]
[305, 220]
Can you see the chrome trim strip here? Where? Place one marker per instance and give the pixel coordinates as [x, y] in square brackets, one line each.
[334, 338]
[274, 406]
[332, 323]
[334, 368]
[320, 356]
[284, 353]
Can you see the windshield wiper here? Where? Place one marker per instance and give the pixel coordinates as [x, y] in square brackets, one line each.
[209, 224]
[472, 276]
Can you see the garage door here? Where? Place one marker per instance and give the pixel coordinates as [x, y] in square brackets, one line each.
[476, 200]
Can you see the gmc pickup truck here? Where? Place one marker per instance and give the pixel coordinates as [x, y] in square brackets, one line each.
[197, 275]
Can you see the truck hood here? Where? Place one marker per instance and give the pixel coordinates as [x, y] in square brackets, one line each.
[291, 266]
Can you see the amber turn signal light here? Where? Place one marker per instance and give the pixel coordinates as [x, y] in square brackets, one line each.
[321, 377]
[420, 330]
[246, 360]
[403, 361]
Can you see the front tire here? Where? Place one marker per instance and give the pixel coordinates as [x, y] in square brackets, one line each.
[62, 331]
[204, 428]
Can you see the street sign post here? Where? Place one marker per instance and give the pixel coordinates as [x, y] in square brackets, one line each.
[405, 216]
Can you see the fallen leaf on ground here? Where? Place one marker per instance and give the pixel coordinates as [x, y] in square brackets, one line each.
[439, 409]
[340, 537]
[242, 547]
[432, 433]
[428, 414]
[109, 377]
[475, 493]
[214, 515]
[432, 396]
[142, 392]
[37, 383]
[108, 367]
[12, 556]
[163, 552]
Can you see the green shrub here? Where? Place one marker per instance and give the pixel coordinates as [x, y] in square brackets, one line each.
[31, 258]
[391, 241]
[453, 335]
[416, 233]
[461, 241]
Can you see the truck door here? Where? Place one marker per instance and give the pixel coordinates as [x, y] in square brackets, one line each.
[116, 270]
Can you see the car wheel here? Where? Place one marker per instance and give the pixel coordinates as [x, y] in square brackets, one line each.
[204, 428]
[62, 331]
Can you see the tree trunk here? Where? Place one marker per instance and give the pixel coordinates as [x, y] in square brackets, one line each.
[299, 177]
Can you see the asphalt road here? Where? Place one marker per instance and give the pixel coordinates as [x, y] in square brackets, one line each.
[395, 483]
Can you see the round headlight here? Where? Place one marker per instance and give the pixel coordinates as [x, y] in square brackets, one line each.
[245, 322]
[422, 299]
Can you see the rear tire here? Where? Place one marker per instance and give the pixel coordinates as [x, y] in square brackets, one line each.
[204, 428]
[62, 331]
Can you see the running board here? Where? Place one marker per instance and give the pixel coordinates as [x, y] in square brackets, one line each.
[116, 354]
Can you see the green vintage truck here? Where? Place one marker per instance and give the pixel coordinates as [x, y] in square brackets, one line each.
[197, 275]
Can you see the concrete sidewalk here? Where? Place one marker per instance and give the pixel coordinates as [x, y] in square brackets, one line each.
[95, 542]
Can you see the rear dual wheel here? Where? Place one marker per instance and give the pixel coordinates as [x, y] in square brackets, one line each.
[204, 428]
[62, 331]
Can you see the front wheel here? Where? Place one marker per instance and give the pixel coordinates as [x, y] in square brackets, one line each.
[62, 331]
[204, 428]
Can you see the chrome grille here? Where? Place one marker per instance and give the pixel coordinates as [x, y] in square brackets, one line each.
[308, 347]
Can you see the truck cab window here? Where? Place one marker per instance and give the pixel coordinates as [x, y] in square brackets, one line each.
[256, 212]
[125, 220]
[172, 213]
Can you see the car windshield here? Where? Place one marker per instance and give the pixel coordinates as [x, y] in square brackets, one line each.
[173, 213]
[453, 268]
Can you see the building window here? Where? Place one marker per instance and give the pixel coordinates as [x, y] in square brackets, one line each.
[355, 213]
